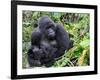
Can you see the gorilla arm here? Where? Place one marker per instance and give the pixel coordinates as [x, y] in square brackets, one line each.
[63, 40]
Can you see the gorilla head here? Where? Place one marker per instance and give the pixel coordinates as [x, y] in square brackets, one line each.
[47, 27]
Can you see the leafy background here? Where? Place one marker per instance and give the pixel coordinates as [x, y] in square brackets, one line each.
[77, 24]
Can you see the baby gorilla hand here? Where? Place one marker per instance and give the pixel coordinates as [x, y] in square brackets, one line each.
[38, 53]
[37, 50]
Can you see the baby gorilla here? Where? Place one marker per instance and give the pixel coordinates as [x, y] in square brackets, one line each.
[44, 55]
[49, 49]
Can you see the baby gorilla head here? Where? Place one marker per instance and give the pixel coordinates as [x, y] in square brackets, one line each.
[47, 27]
[49, 48]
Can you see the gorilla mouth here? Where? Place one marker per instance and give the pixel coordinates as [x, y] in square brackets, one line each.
[51, 35]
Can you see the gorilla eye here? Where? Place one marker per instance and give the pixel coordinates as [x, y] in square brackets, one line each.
[51, 26]
[48, 27]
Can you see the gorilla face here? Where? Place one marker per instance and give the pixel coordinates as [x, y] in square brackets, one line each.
[50, 31]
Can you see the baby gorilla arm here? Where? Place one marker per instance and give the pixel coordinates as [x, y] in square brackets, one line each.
[33, 59]
[38, 53]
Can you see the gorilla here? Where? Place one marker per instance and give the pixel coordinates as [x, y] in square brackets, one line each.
[48, 42]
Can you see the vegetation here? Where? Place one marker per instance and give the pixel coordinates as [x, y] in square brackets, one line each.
[77, 24]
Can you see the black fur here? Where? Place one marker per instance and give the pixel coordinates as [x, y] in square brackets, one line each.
[48, 41]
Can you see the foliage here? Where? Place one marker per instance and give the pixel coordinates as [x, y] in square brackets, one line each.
[77, 24]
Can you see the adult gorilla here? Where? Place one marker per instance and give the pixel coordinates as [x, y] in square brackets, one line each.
[48, 41]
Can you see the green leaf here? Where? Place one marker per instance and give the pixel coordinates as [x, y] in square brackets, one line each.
[85, 43]
[57, 15]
